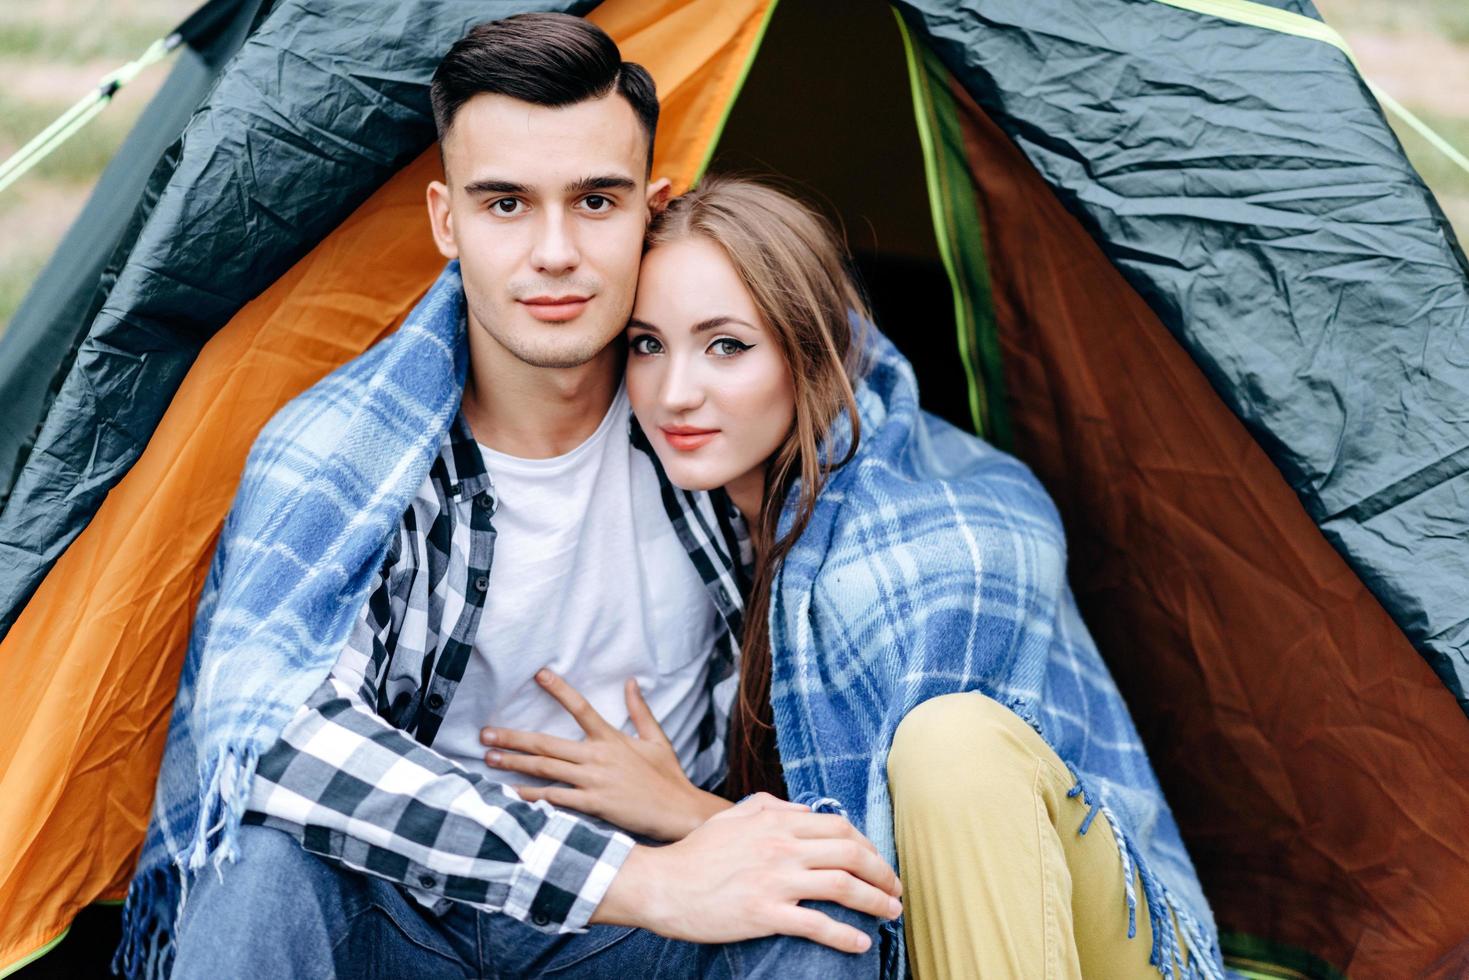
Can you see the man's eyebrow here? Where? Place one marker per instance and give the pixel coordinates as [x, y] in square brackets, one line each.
[605, 183]
[490, 186]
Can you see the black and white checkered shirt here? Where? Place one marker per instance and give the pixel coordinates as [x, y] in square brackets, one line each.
[355, 777]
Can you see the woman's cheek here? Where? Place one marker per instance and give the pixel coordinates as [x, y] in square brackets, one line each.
[761, 404]
[642, 386]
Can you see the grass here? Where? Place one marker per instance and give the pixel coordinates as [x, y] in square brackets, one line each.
[81, 158]
[1441, 18]
[51, 53]
[86, 30]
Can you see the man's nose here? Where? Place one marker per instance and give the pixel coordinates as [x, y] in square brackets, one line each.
[555, 251]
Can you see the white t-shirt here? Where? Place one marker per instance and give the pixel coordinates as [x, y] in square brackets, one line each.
[589, 579]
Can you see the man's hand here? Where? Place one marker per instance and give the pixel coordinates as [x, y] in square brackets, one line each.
[635, 783]
[742, 874]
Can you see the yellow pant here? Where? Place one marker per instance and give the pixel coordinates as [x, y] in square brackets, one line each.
[997, 881]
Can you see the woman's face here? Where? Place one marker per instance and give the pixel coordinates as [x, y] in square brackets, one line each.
[706, 377]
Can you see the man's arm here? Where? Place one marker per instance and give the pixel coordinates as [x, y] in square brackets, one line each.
[359, 792]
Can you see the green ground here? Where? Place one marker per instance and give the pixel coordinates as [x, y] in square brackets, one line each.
[53, 51]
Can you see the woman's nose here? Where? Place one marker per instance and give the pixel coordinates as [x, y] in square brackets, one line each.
[682, 391]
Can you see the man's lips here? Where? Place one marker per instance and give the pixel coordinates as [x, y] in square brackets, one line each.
[686, 438]
[555, 309]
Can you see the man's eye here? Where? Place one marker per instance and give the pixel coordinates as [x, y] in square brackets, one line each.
[646, 344]
[506, 205]
[728, 347]
[598, 203]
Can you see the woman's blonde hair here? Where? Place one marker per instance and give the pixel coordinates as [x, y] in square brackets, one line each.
[799, 274]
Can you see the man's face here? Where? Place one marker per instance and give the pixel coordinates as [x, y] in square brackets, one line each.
[545, 210]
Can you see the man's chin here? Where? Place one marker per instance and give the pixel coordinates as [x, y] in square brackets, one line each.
[569, 351]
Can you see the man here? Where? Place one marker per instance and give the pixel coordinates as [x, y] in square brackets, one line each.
[376, 841]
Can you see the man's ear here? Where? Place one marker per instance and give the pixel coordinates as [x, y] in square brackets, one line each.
[658, 194]
[440, 220]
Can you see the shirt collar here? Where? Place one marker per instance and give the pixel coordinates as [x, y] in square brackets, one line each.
[464, 473]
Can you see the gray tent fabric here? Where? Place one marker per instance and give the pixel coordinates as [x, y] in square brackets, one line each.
[42, 337]
[311, 117]
[1246, 184]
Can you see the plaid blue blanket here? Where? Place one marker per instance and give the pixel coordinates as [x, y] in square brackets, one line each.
[325, 483]
[935, 564]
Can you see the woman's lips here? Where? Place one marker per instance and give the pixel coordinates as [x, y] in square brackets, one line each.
[555, 309]
[686, 439]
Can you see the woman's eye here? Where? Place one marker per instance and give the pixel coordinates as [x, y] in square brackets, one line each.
[506, 206]
[596, 203]
[728, 347]
[646, 344]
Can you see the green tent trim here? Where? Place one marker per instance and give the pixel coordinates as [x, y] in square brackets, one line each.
[955, 210]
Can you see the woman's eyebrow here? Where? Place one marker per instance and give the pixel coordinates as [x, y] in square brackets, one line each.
[715, 322]
[641, 324]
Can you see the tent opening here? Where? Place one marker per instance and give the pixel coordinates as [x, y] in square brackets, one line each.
[827, 107]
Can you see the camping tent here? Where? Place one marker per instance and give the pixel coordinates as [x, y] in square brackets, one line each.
[1166, 251]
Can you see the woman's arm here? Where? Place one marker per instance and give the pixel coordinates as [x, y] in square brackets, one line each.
[635, 783]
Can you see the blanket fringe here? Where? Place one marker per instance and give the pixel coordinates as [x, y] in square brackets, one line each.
[1201, 960]
[147, 941]
[156, 897]
[1200, 957]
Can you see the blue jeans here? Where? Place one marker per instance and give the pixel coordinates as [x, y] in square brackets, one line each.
[282, 912]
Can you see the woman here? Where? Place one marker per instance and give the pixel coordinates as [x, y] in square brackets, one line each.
[911, 648]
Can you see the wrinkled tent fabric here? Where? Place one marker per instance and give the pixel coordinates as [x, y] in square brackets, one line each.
[113, 616]
[1310, 756]
[38, 344]
[1319, 769]
[1270, 219]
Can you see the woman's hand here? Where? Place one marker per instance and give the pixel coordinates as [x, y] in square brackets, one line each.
[635, 783]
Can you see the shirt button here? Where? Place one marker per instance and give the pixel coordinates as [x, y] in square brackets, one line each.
[428, 881]
[436, 701]
[484, 501]
[540, 919]
[482, 583]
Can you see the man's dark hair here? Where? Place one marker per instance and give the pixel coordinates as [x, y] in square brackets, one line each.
[547, 59]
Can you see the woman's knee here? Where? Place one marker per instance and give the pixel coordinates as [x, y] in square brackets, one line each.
[961, 745]
[940, 725]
